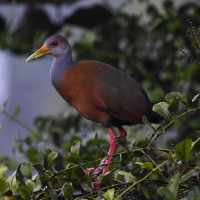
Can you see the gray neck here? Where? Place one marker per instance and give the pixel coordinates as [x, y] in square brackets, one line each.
[60, 64]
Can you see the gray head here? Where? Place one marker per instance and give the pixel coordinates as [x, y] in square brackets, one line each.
[55, 45]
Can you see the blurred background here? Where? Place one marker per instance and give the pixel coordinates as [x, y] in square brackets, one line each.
[143, 38]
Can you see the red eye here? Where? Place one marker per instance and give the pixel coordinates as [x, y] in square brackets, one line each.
[54, 43]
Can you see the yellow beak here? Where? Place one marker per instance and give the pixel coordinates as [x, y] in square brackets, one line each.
[40, 52]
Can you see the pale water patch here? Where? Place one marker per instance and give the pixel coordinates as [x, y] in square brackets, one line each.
[28, 86]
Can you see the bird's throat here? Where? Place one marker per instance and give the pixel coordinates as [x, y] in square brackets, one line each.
[60, 64]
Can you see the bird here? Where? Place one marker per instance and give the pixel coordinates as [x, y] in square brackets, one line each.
[98, 91]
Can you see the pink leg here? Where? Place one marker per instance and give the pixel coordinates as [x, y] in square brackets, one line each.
[113, 147]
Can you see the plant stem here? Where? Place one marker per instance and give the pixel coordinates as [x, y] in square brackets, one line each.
[137, 182]
[16, 121]
[154, 163]
[173, 121]
[181, 115]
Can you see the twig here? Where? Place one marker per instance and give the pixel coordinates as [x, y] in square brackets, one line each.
[14, 119]
[137, 182]
[154, 163]
[172, 122]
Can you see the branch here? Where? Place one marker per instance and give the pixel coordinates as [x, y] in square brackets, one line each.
[172, 122]
[137, 182]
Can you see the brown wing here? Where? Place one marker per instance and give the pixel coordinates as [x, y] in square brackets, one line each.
[122, 95]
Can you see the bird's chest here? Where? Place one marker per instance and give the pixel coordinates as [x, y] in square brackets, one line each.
[74, 88]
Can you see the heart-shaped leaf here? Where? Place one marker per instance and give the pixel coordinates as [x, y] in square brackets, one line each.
[26, 170]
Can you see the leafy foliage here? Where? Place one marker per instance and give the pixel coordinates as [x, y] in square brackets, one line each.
[145, 172]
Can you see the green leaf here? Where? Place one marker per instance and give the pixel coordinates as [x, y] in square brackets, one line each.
[78, 173]
[42, 196]
[26, 170]
[162, 109]
[128, 174]
[171, 191]
[50, 158]
[20, 148]
[28, 140]
[25, 192]
[34, 186]
[176, 96]
[39, 168]
[31, 184]
[73, 158]
[75, 148]
[145, 121]
[96, 140]
[195, 100]
[89, 180]
[19, 176]
[109, 195]
[17, 111]
[3, 169]
[34, 177]
[139, 163]
[147, 165]
[174, 185]
[11, 180]
[45, 177]
[38, 185]
[186, 176]
[67, 191]
[98, 154]
[3, 187]
[165, 193]
[106, 179]
[68, 171]
[184, 149]
[144, 191]
[174, 106]
[33, 155]
[45, 153]
[174, 99]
